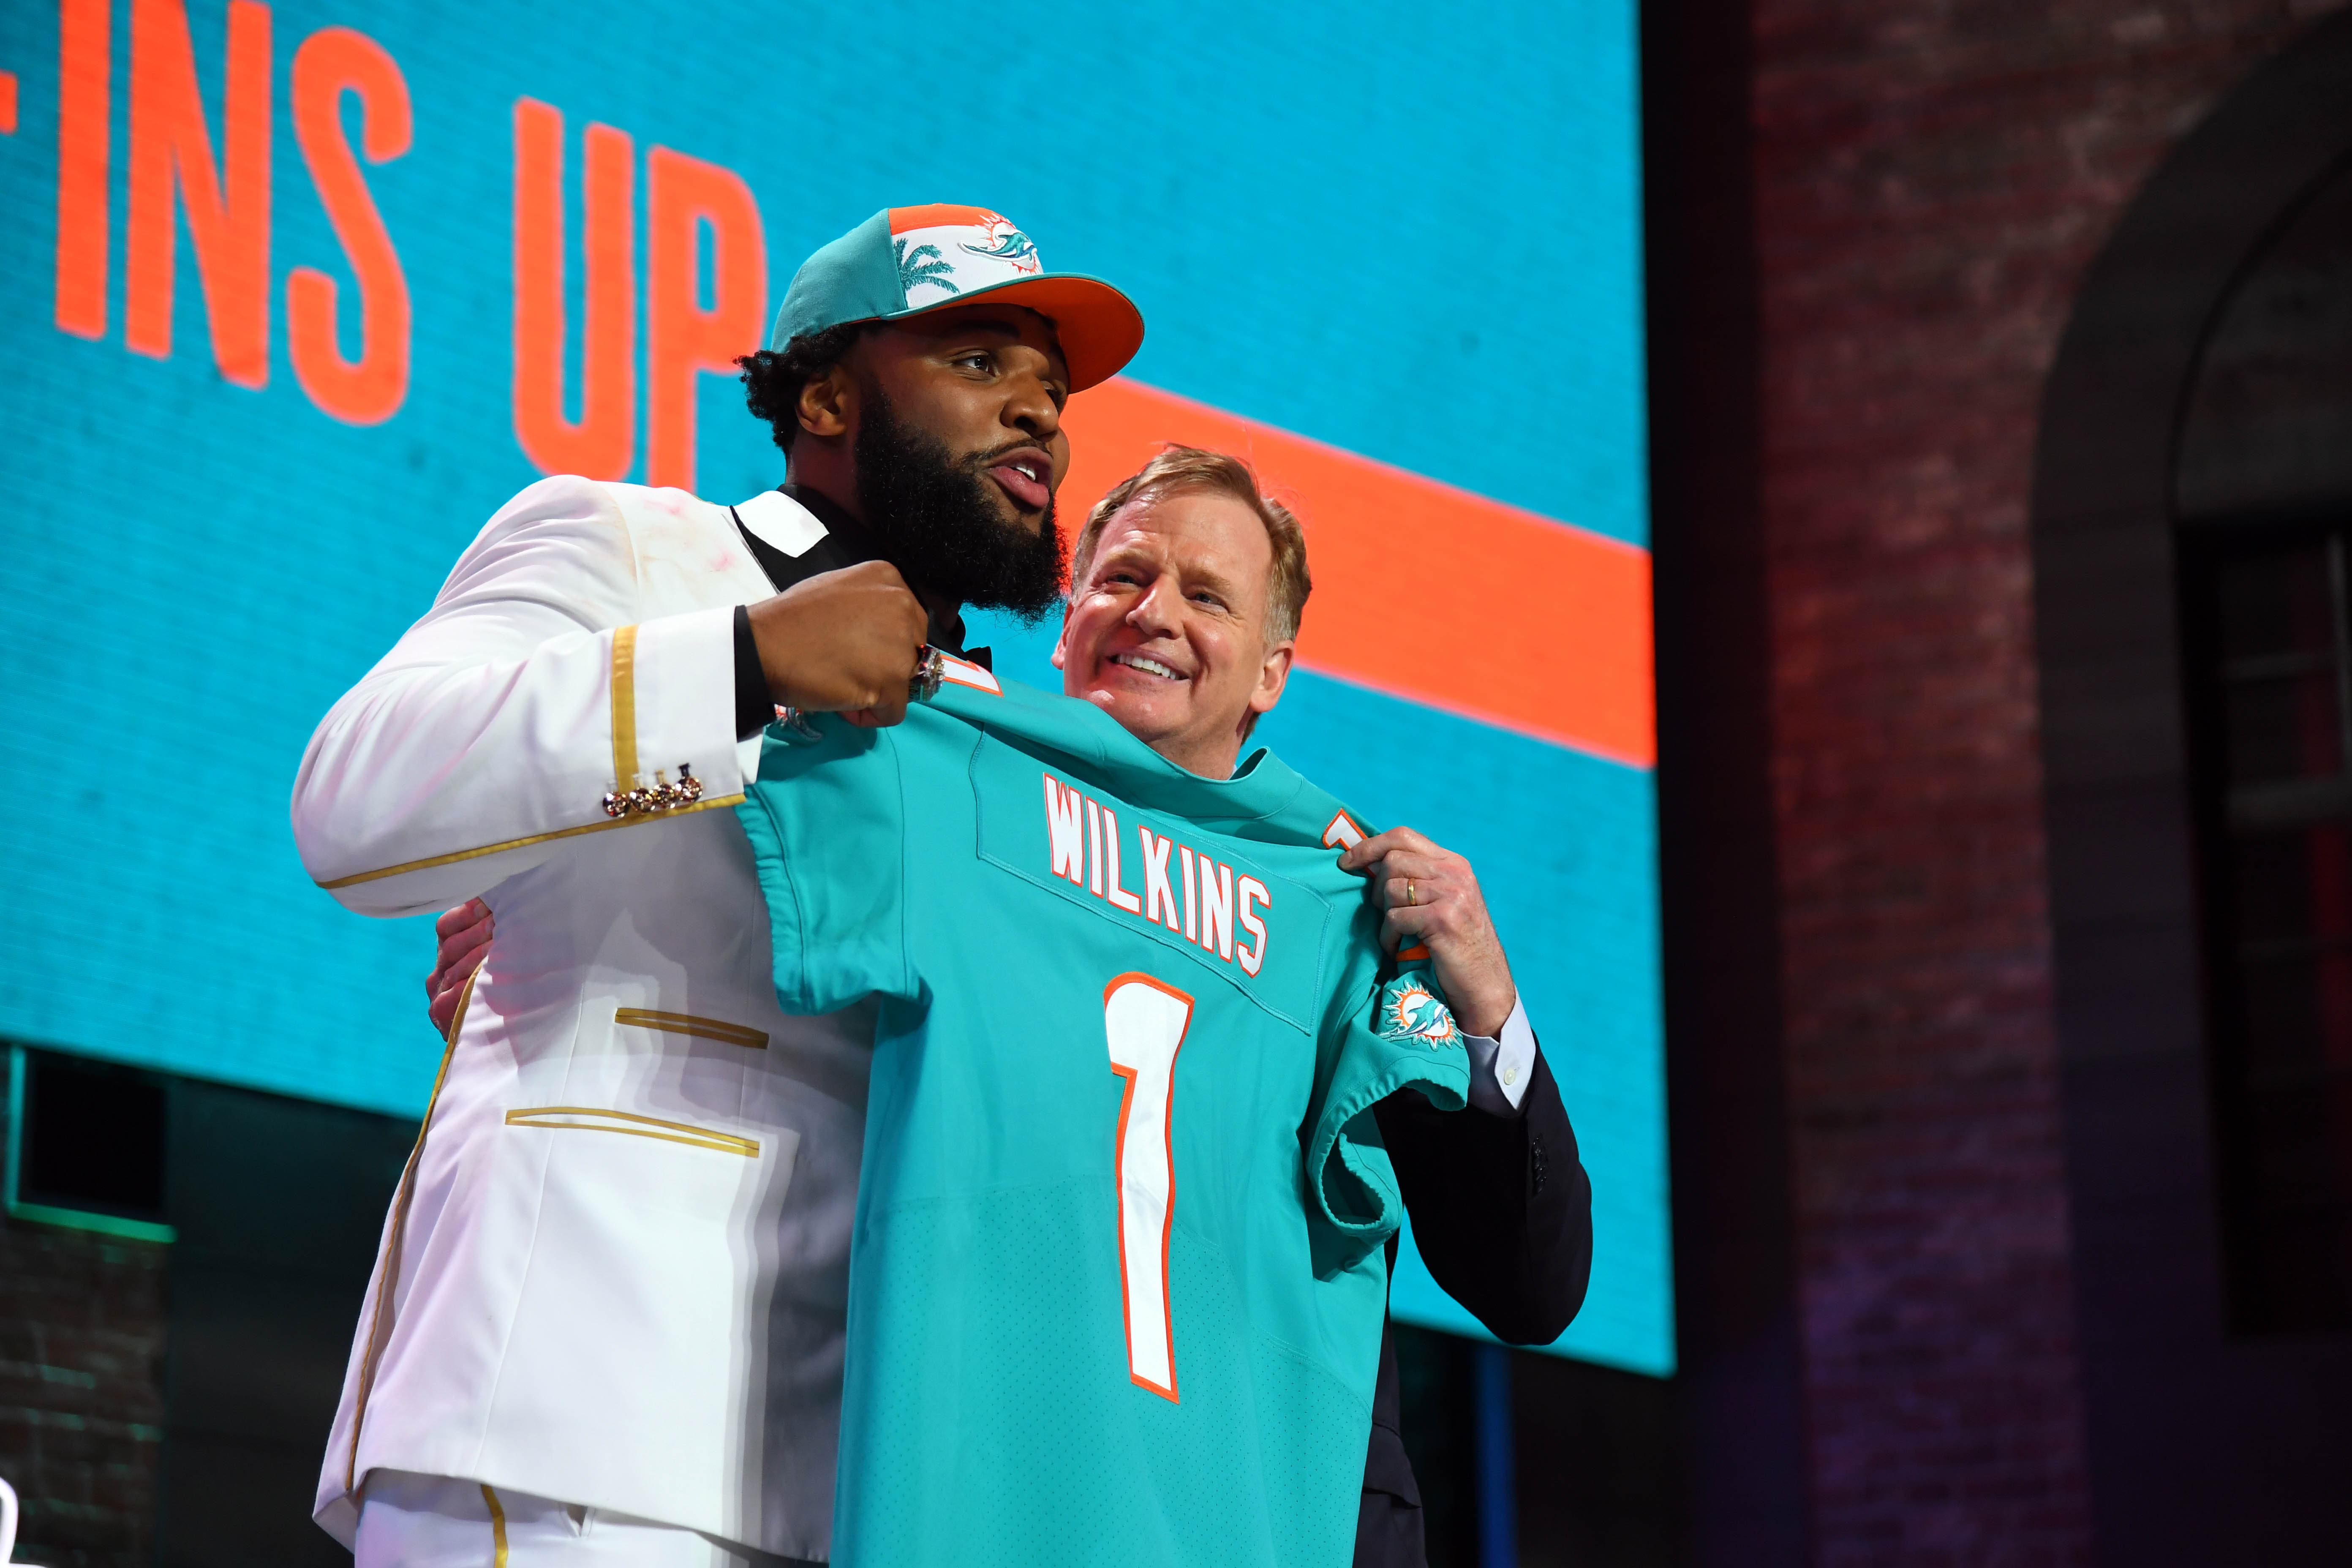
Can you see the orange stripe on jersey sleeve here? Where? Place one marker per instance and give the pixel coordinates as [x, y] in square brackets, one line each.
[1422, 591]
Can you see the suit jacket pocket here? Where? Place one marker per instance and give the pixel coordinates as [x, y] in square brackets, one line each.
[651, 1274]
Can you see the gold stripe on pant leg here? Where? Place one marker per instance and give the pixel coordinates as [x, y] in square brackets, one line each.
[498, 1528]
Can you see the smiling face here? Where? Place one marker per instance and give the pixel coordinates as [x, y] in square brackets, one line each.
[1167, 626]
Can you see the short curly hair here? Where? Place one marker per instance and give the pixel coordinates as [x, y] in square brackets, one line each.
[774, 381]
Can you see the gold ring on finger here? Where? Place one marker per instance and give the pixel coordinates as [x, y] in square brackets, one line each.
[1412, 894]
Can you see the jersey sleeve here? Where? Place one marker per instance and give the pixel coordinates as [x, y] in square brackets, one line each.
[827, 824]
[1379, 1037]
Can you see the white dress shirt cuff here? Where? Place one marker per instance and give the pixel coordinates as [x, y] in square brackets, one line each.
[1500, 1065]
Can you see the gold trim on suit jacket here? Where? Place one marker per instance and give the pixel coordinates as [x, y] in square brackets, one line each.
[595, 1119]
[624, 707]
[450, 860]
[687, 1023]
[388, 1262]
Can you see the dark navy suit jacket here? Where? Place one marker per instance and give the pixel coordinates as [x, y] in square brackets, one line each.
[1503, 1215]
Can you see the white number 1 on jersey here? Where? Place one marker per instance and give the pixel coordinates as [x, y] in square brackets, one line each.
[1145, 1020]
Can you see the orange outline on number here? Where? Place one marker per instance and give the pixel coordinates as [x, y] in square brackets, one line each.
[1119, 1184]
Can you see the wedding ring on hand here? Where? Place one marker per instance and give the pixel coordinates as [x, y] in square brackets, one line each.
[1412, 894]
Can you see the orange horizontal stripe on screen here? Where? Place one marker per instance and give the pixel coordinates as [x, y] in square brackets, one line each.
[1422, 591]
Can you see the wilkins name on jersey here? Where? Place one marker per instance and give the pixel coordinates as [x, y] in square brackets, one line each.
[1116, 1280]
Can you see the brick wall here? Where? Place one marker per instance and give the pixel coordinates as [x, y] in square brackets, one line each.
[1931, 179]
[81, 1393]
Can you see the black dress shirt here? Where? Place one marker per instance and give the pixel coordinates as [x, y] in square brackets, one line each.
[846, 542]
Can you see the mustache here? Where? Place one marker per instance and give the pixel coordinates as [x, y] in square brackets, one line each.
[976, 461]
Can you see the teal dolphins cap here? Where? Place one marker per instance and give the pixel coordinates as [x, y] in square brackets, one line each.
[904, 261]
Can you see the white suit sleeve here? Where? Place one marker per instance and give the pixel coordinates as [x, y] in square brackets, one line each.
[494, 729]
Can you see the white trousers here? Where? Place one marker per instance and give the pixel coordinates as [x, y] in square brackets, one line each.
[434, 1521]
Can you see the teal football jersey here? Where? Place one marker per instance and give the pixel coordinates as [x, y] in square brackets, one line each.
[1117, 1281]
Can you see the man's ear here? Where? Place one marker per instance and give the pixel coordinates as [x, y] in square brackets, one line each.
[1062, 643]
[1273, 673]
[829, 404]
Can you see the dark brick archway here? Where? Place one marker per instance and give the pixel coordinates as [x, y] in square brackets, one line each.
[1869, 222]
[2204, 1447]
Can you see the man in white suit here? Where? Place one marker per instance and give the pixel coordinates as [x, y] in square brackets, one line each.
[606, 1320]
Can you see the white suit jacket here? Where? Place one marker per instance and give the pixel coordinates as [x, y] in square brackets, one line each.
[616, 1271]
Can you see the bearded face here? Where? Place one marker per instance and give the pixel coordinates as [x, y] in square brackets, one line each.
[943, 522]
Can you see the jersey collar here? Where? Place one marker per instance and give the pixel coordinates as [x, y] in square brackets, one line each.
[1262, 788]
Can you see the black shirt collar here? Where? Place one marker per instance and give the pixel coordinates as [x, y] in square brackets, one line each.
[848, 534]
[856, 542]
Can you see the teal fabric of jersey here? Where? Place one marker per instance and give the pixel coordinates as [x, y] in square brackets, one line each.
[1117, 1281]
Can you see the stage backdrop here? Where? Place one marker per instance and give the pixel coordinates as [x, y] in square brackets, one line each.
[293, 296]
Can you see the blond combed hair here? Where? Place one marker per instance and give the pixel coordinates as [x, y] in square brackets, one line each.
[1180, 469]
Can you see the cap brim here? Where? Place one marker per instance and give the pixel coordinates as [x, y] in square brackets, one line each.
[1099, 327]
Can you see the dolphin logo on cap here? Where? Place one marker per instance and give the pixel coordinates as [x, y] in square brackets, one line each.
[906, 260]
[1011, 246]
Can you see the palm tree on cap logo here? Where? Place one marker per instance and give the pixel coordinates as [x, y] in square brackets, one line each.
[914, 271]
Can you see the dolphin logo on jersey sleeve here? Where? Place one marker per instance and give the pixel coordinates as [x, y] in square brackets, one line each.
[1410, 1011]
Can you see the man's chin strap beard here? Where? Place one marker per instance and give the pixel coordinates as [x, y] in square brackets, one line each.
[939, 527]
